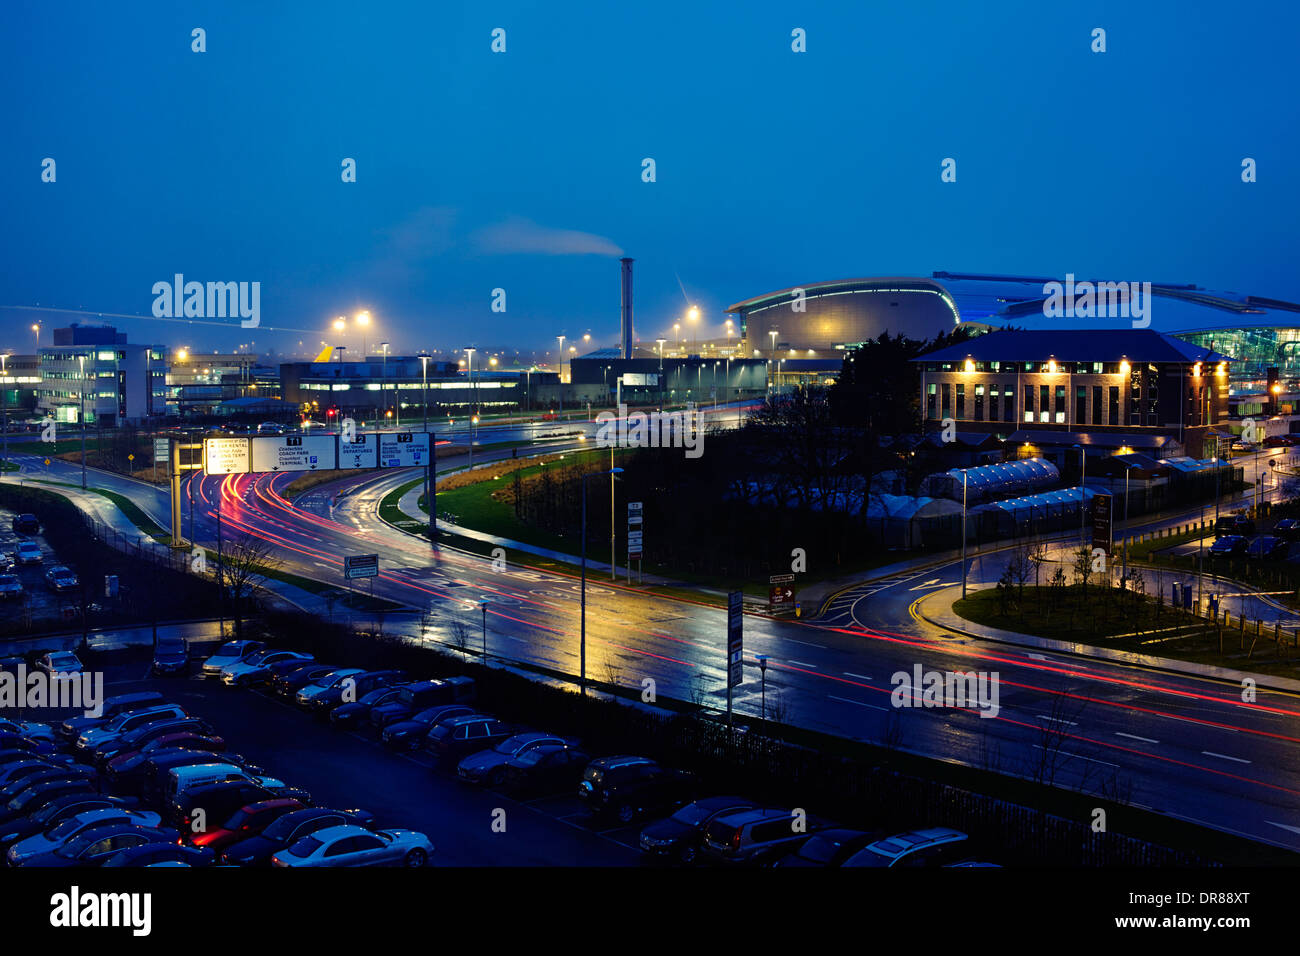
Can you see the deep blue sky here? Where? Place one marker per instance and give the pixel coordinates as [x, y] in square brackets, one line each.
[774, 168]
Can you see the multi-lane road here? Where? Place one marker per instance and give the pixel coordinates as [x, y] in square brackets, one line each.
[1182, 745]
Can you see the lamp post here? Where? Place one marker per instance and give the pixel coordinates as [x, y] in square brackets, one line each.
[561, 338]
[762, 671]
[582, 652]
[963, 533]
[363, 320]
[483, 608]
[4, 403]
[81, 415]
[1127, 469]
[36, 327]
[433, 455]
[1083, 475]
[694, 316]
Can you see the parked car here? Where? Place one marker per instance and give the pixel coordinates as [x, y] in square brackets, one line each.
[827, 848]
[348, 716]
[128, 770]
[1278, 441]
[288, 830]
[934, 846]
[93, 738]
[73, 727]
[59, 664]
[248, 821]
[1233, 525]
[56, 811]
[680, 836]
[217, 801]
[357, 846]
[489, 766]
[28, 552]
[158, 854]
[26, 524]
[455, 738]
[1229, 546]
[157, 767]
[1288, 528]
[171, 655]
[270, 428]
[62, 578]
[40, 792]
[230, 653]
[628, 788]
[352, 689]
[754, 836]
[291, 681]
[1267, 548]
[93, 848]
[73, 827]
[421, 695]
[133, 741]
[256, 668]
[414, 733]
[11, 588]
[334, 679]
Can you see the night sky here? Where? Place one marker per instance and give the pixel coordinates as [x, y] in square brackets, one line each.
[523, 170]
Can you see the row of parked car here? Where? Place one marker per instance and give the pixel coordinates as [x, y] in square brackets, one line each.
[147, 784]
[59, 578]
[1235, 537]
[439, 718]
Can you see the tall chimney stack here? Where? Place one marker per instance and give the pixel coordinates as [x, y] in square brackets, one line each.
[625, 330]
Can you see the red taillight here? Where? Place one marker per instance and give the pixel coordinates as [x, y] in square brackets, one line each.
[735, 839]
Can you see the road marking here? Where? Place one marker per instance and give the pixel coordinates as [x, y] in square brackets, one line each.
[1037, 657]
[1059, 720]
[1189, 720]
[928, 584]
[845, 700]
[1066, 753]
[802, 664]
[1284, 826]
[858, 676]
[820, 647]
[1210, 753]
[1145, 740]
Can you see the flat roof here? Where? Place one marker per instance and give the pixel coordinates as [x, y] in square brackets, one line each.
[1075, 345]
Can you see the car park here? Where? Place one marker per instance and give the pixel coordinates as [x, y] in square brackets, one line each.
[422, 695]
[455, 738]
[39, 793]
[93, 738]
[488, 766]
[357, 713]
[1229, 546]
[827, 848]
[413, 734]
[73, 727]
[934, 846]
[55, 811]
[356, 846]
[288, 830]
[680, 836]
[229, 653]
[352, 689]
[171, 656]
[133, 741]
[28, 552]
[61, 578]
[628, 788]
[11, 588]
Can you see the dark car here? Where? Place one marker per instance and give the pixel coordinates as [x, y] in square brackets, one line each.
[16, 782]
[93, 848]
[756, 836]
[142, 735]
[828, 848]
[26, 524]
[247, 821]
[422, 695]
[931, 847]
[39, 794]
[288, 683]
[1233, 525]
[679, 836]
[157, 767]
[1288, 528]
[414, 732]
[56, 811]
[15, 770]
[352, 689]
[218, 801]
[152, 854]
[1267, 548]
[629, 788]
[171, 656]
[74, 727]
[545, 770]
[457, 737]
[128, 771]
[1229, 546]
[489, 766]
[288, 830]
[348, 716]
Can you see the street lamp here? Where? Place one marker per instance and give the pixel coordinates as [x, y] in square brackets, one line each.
[363, 320]
[1083, 480]
[4, 404]
[694, 316]
[383, 376]
[774, 333]
[582, 658]
[561, 338]
[963, 533]
[36, 327]
[469, 352]
[762, 670]
[483, 608]
[433, 457]
[81, 415]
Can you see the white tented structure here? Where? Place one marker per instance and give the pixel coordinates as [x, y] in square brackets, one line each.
[1032, 513]
[901, 521]
[987, 482]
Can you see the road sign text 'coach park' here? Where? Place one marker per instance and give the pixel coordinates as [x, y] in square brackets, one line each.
[242, 456]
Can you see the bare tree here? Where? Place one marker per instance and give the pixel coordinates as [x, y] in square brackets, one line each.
[246, 562]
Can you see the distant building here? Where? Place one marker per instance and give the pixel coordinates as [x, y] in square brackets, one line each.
[1110, 391]
[199, 383]
[603, 376]
[20, 379]
[93, 369]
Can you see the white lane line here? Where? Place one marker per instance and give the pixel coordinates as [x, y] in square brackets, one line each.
[1145, 740]
[845, 700]
[820, 647]
[858, 676]
[1188, 720]
[802, 664]
[1211, 753]
[1066, 753]
[1058, 720]
[1284, 826]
